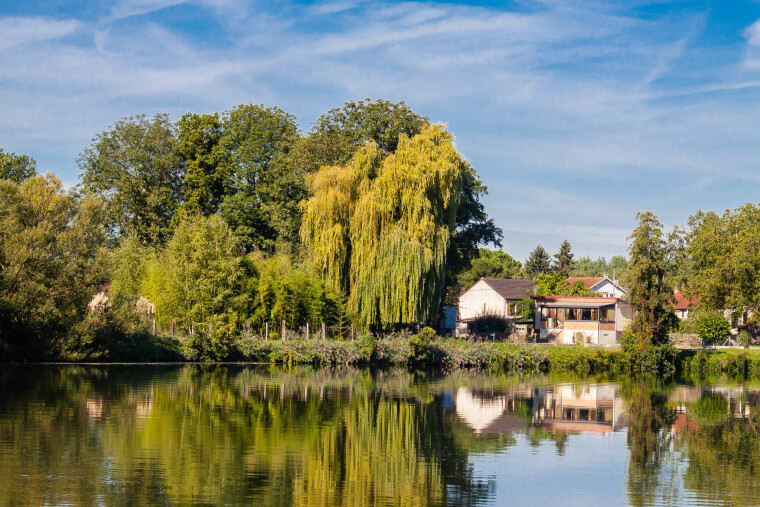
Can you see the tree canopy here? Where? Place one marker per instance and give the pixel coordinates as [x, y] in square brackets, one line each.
[563, 259]
[648, 290]
[538, 262]
[379, 228]
[16, 168]
[135, 169]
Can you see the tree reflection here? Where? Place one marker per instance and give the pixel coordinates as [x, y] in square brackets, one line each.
[223, 435]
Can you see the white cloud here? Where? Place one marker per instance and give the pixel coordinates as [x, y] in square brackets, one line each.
[554, 107]
[16, 31]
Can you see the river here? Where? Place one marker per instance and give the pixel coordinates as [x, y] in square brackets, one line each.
[261, 435]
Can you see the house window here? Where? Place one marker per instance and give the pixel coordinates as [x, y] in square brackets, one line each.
[573, 314]
[607, 315]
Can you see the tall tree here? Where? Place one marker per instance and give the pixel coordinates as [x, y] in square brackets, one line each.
[721, 258]
[379, 228]
[563, 260]
[136, 170]
[16, 167]
[648, 290]
[337, 134]
[266, 187]
[207, 175]
[49, 243]
[537, 262]
[195, 276]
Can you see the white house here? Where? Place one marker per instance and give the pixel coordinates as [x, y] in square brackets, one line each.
[601, 284]
[493, 296]
[596, 320]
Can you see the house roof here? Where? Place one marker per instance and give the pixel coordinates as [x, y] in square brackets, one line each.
[511, 288]
[588, 281]
[684, 304]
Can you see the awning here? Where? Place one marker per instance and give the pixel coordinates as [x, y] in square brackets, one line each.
[568, 304]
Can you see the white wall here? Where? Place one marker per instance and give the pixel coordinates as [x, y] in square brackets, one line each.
[480, 299]
[608, 289]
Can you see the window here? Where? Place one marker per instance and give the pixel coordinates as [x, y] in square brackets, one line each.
[607, 315]
[573, 314]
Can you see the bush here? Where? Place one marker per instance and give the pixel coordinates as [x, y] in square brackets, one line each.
[118, 334]
[712, 328]
[419, 344]
[214, 345]
[492, 321]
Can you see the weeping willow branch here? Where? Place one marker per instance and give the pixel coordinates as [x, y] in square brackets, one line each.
[379, 228]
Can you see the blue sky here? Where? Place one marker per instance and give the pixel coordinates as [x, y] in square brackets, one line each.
[576, 114]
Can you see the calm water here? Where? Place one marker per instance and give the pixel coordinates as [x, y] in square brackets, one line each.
[146, 435]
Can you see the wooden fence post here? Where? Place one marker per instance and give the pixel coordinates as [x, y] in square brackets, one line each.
[154, 327]
[307, 330]
[266, 331]
[324, 331]
[174, 327]
[284, 329]
[209, 328]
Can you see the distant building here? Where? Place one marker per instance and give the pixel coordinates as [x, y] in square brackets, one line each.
[567, 319]
[494, 296]
[683, 305]
[601, 284]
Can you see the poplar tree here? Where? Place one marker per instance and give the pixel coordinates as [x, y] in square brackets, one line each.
[379, 227]
[563, 260]
[648, 290]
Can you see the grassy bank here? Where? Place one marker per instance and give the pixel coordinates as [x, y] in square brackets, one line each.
[407, 350]
[732, 362]
[449, 353]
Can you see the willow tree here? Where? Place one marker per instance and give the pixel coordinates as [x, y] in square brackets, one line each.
[379, 227]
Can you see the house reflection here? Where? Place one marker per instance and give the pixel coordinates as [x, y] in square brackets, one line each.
[594, 408]
[579, 408]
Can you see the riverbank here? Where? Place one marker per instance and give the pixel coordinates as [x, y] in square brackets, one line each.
[404, 350]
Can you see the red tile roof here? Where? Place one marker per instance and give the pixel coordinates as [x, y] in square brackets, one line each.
[588, 281]
[683, 304]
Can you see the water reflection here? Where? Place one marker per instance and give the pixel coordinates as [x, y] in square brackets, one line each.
[271, 436]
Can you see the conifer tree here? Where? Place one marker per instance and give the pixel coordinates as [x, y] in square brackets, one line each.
[537, 262]
[648, 291]
[563, 260]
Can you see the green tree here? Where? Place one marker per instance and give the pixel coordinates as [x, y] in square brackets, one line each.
[722, 259]
[16, 167]
[136, 170]
[537, 262]
[49, 269]
[554, 284]
[266, 187]
[207, 178]
[585, 266]
[563, 260]
[489, 264]
[339, 133]
[379, 228]
[197, 275]
[276, 290]
[648, 290]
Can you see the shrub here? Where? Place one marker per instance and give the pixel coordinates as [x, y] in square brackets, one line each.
[216, 344]
[492, 321]
[713, 328]
[420, 346]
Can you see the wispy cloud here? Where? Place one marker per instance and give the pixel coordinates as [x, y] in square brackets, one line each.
[16, 31]
[567, 109]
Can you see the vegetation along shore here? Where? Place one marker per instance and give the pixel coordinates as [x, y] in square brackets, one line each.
[235, 236]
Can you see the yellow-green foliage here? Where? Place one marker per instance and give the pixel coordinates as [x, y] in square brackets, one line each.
[279, 291]
[194, 277]
[379, 228]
